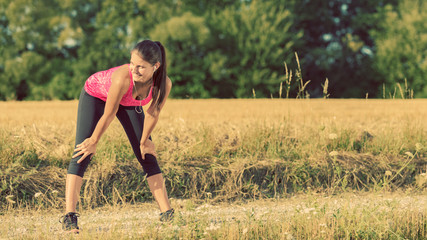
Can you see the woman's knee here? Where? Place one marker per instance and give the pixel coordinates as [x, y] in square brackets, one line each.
[150, 165]
[78, 168]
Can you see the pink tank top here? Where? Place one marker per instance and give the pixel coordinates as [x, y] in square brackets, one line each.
[99, 83]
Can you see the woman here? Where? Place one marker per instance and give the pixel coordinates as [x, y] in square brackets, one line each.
[122, 91]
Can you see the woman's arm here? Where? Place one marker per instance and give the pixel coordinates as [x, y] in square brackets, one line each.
[117, 90]
[115, 94]
[151, 118]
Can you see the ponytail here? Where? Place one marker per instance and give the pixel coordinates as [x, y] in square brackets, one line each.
[159, 79]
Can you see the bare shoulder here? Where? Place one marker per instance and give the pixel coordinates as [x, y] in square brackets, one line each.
[168, 83]
[121, 77]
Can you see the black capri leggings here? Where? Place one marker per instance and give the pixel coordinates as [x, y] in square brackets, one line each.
[89, 112]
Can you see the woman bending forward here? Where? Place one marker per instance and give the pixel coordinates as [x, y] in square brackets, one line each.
[121, 92]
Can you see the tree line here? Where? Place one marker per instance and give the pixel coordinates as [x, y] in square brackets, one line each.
[218, 49]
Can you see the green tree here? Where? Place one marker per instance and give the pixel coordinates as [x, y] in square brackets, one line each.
[215, 48]
[7, 90]
[201, 7]
[50, 47]
[247, 47]
[337, 45]
[230, 52]
[30, 44]
[402, 46]
[185, 38]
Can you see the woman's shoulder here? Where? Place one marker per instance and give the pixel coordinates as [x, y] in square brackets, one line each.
[168, 82]
[121, 76]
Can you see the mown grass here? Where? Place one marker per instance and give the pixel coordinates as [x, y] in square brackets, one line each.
[221, 150]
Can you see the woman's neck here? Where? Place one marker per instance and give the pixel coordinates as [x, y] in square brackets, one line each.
[144, 84]
[141, 89]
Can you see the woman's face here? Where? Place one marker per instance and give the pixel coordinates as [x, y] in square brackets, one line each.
[142, 71]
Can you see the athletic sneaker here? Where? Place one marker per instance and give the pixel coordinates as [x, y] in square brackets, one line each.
[69, 222]
[167, 216]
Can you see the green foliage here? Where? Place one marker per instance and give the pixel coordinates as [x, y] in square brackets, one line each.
[402, 46]
[248, 46]
[28, 45]
[185, 38]
[337, 45]
[218, 49]
[226, 54]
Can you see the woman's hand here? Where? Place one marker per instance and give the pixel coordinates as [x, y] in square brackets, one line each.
[148, 148]
[86, 148]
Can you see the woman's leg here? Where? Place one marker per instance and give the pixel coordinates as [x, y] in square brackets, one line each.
[73, 185]
[133, 124]
[89, 112]
[158, 189]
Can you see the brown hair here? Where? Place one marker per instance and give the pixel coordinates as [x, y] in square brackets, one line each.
[154, 52]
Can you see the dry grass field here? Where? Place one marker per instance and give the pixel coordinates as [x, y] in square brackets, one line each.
[358, 166]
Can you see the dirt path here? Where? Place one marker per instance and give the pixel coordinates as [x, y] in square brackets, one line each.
[142, 219]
